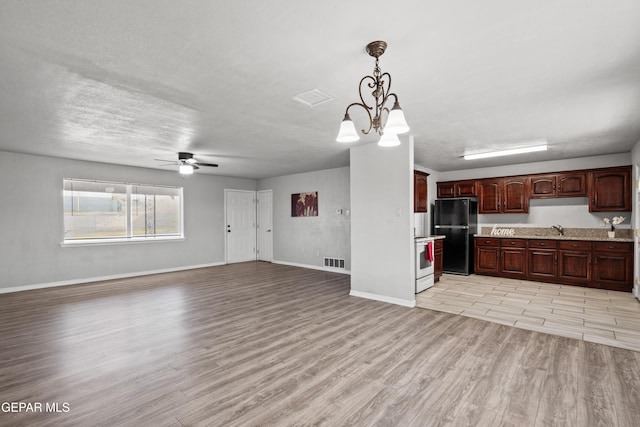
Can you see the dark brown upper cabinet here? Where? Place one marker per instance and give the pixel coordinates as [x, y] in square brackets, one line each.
[445, 189]
[610, 189]
[516, 194]
[503, 195]
[563, 184]
[420, 201]
[465, 188]
[572, 184]
[489, 195]
[542, 186]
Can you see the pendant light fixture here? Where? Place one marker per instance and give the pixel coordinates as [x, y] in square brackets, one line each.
[380, 84]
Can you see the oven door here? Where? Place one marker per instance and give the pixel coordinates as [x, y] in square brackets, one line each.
[424, 267]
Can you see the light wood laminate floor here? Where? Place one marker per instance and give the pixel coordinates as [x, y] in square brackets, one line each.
[261, 344]
[594, 315]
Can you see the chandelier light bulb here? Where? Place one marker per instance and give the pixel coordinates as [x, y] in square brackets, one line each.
[389, 139]
[347, 131]
[396, 122]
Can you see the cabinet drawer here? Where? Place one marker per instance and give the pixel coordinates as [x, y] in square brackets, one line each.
[575, 245]
[513, 243]
[486, 241]
[612, 247]
[548, 244]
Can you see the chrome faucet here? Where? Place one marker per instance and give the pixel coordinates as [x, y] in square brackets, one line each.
[559, 228]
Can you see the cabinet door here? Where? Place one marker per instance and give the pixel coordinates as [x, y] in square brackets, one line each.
[420, 203]
[543, 263]
[445, 189]
[465, 188]
[438, 262]
[610, 190]
[513, 262]
[571, 184]
[575, 266]
[487, 259]
[612, 271]
[542, 186]
[516, 195]
[489, 195]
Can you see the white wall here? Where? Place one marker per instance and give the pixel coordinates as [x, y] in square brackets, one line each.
[31, 222]
[569, 212]
[307, 240]
[382, 264]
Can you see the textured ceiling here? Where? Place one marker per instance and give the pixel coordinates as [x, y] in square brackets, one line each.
[127, 82]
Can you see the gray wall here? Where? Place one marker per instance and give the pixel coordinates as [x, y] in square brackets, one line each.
[382, 223]
[31, 222]
[307, 240]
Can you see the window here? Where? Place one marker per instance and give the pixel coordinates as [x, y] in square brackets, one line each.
[114, 211]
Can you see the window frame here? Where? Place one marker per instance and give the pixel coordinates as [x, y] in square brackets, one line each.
[130, 236]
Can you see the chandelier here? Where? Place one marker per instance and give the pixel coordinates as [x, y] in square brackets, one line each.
[380, 84]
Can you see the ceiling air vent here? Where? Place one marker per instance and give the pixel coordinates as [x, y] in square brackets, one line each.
[313, 98]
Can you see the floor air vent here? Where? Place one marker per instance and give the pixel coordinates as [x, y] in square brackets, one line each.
[334, 262]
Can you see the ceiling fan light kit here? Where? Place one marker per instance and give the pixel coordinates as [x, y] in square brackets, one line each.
[511, 151]
[186, 163]
[380, 84]
[186, 169]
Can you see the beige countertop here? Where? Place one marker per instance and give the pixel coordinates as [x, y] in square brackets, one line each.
[434, 237]
[549, 233]
[558, 237]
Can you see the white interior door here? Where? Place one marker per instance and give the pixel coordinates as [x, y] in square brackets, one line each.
[240, 213]
[265, 225]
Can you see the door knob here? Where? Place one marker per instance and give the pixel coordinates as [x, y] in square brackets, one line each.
[268, 231]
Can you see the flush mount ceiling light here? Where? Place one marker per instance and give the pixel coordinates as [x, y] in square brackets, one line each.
[380, 83]
[529, 149]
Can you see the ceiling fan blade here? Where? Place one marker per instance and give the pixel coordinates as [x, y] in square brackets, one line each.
[195, 167]
[213, 165]
[165, 160]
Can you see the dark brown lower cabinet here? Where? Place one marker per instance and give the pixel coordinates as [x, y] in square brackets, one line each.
[575, 262]
[613, 266]
[438, 261]
[605, 265]
[513, 262]
[543, 263]
[487, 256]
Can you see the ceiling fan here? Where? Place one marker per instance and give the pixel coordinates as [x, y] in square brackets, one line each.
[187, 163]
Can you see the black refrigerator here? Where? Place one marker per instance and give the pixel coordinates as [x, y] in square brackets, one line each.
[457, 219]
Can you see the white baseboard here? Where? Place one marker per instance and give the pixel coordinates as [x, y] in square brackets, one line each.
[376, 297]
[101, 278]
[313, 267]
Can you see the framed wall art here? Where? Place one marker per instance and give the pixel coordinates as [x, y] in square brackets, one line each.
[304, 204]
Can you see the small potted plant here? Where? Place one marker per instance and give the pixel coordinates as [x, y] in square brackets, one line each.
[612, 223]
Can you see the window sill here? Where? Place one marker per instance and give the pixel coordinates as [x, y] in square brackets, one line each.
[106, 242]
